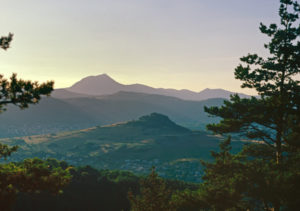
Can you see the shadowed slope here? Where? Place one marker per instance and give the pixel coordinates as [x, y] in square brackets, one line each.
[54, 115]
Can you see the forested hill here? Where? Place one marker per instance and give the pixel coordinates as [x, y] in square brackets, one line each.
[134, 145]
[156, 121]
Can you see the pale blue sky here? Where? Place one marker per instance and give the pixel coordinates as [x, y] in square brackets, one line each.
[182, 44]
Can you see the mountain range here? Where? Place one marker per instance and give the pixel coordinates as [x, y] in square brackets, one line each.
[99, 100]
[105, 85]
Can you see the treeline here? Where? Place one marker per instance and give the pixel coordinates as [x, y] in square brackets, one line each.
[91, 189]
[264, 175]
[248, 180]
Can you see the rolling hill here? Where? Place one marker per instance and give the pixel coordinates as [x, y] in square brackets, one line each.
[54, 115]
[135, 145]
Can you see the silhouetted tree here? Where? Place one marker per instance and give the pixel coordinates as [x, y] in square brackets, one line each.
[5, 41]
[17, 91]
[30, 175]
[274, 116]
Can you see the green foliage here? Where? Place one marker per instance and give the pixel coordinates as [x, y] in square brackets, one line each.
[271, 184]
[5, 151]
[264, 174]
[30, 175]
[154, 195]
[92, 189]
[251, 179]
[191, 200]
[22, 93]
[224, 180]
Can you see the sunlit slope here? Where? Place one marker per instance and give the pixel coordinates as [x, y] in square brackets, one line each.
[150, 137]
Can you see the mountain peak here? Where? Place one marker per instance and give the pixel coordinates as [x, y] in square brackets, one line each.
[98, 78]
[104, 76]
[96, 85]
[103, 84]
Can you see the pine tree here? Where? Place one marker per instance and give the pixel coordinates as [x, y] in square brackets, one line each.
[5, 41]
[154, 195]
[273, 117]
[224, 181]
[30, 175]
[17, 91]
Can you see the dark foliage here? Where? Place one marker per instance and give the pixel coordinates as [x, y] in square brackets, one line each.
[5, 41]
[30, 175]
[154, 195]
[92, 189]
[264, 174]
[274, 117]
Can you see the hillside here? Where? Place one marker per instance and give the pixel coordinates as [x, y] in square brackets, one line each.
[54, 115]
[100, 100]
[50, 115]
[134, 145]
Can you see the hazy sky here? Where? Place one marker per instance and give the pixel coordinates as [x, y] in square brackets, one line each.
[182, 44]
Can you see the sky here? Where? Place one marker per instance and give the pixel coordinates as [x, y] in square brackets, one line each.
[181, 44]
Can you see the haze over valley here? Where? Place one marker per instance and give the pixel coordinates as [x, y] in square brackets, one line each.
[108, 125]
[150, 105]
[99, 100]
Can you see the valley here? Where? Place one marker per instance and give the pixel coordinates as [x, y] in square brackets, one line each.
[151, 140]
[99, 100]
[108, 125]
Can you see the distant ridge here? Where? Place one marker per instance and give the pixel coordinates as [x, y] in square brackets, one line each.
[80, 111]
[65, 94]
[105, 85]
